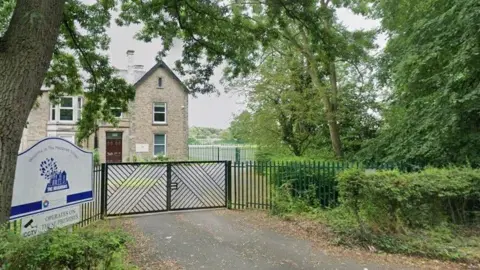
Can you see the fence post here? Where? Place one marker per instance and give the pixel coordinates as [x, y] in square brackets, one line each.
[218, 153]
[237, 154]
[228, 178]
[103, 191]
[169, 186]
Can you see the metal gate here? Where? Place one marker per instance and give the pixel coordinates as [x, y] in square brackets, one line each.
[134, 188]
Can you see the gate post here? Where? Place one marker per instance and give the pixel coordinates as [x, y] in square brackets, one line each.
[103, 191]
[169, 186]
[228, 186]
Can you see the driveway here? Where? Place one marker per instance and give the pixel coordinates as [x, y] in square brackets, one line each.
[215, 240]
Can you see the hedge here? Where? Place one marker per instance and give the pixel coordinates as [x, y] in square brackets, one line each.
[391, 200]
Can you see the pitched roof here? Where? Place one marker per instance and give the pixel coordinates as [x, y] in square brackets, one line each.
[158, 65]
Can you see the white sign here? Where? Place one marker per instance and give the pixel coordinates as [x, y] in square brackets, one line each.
[141, 148]
[40, 223]
[53, 173]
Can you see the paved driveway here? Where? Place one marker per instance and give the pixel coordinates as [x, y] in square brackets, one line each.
[209, 240]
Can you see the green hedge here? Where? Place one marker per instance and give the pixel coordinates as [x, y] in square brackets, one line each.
[85, 248]
[391, 200]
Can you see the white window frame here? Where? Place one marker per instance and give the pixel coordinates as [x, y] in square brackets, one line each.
[153, 112]
[76, 110]
[154, 144]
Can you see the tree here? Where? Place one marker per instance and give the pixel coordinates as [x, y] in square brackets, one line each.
[432, 65]
[53, 43]
[285, 110]
[241, 127]
[285, 97]
[312, 29]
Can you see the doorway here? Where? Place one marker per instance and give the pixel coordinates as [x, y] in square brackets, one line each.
[113, 152]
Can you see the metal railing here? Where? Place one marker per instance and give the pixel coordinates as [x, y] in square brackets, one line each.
[255, 184]
[222, 152]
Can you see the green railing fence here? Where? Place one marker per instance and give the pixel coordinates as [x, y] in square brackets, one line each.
[222, 152]
[254, 184]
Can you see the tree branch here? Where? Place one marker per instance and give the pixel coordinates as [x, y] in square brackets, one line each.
[73, 35]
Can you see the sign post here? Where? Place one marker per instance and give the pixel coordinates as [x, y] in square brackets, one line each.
[51, 175]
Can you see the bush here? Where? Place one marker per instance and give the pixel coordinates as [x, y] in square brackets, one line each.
[429, 213]
[136, 158]
[394, 201]
[315, 179]
[263, 155]
[85, 248]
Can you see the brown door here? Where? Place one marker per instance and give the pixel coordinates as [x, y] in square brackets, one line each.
[114, 147]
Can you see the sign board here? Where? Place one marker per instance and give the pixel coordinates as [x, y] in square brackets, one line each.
[40, 223]
[141, 148]
[51, 174]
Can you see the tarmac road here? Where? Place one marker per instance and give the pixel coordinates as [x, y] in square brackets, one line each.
[208, 240]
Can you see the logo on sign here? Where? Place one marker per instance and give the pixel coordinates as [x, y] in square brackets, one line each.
[57, 180]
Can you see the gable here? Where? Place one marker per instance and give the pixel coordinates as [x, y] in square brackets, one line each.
[163, 66]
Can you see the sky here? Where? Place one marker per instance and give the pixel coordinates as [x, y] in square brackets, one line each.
[205, 110]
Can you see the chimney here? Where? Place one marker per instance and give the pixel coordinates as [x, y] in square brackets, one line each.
[130, 66]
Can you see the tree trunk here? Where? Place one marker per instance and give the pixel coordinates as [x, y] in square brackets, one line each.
[332, 113]
[329, 108]
[25, 53]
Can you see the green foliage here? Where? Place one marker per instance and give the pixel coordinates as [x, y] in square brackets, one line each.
[136, 158]
[390, 201]
[263, 155]
[241, 127]
[204, 132]
[445, 242]
[313, 182]
[285, 203]
[367, 215]
[96, 157]
[432, 64]
[85, 248]
[432, 213]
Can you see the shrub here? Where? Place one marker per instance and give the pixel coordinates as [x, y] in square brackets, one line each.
[393, 201]
[263, 155]
[85, 248]
[429, 213]
[312, 179]
[136, 158]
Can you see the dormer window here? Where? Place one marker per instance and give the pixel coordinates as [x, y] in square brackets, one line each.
[160, 82]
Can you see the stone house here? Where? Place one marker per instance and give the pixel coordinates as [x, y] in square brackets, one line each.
[155, 125]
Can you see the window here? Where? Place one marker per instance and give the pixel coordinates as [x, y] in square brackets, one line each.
[159, 145]
[52, 112]
[69, 109]
[66, 109]
[159, 113]
[160, 82]
[117, 112]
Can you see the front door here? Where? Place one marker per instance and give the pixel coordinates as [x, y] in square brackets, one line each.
[114, 147]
